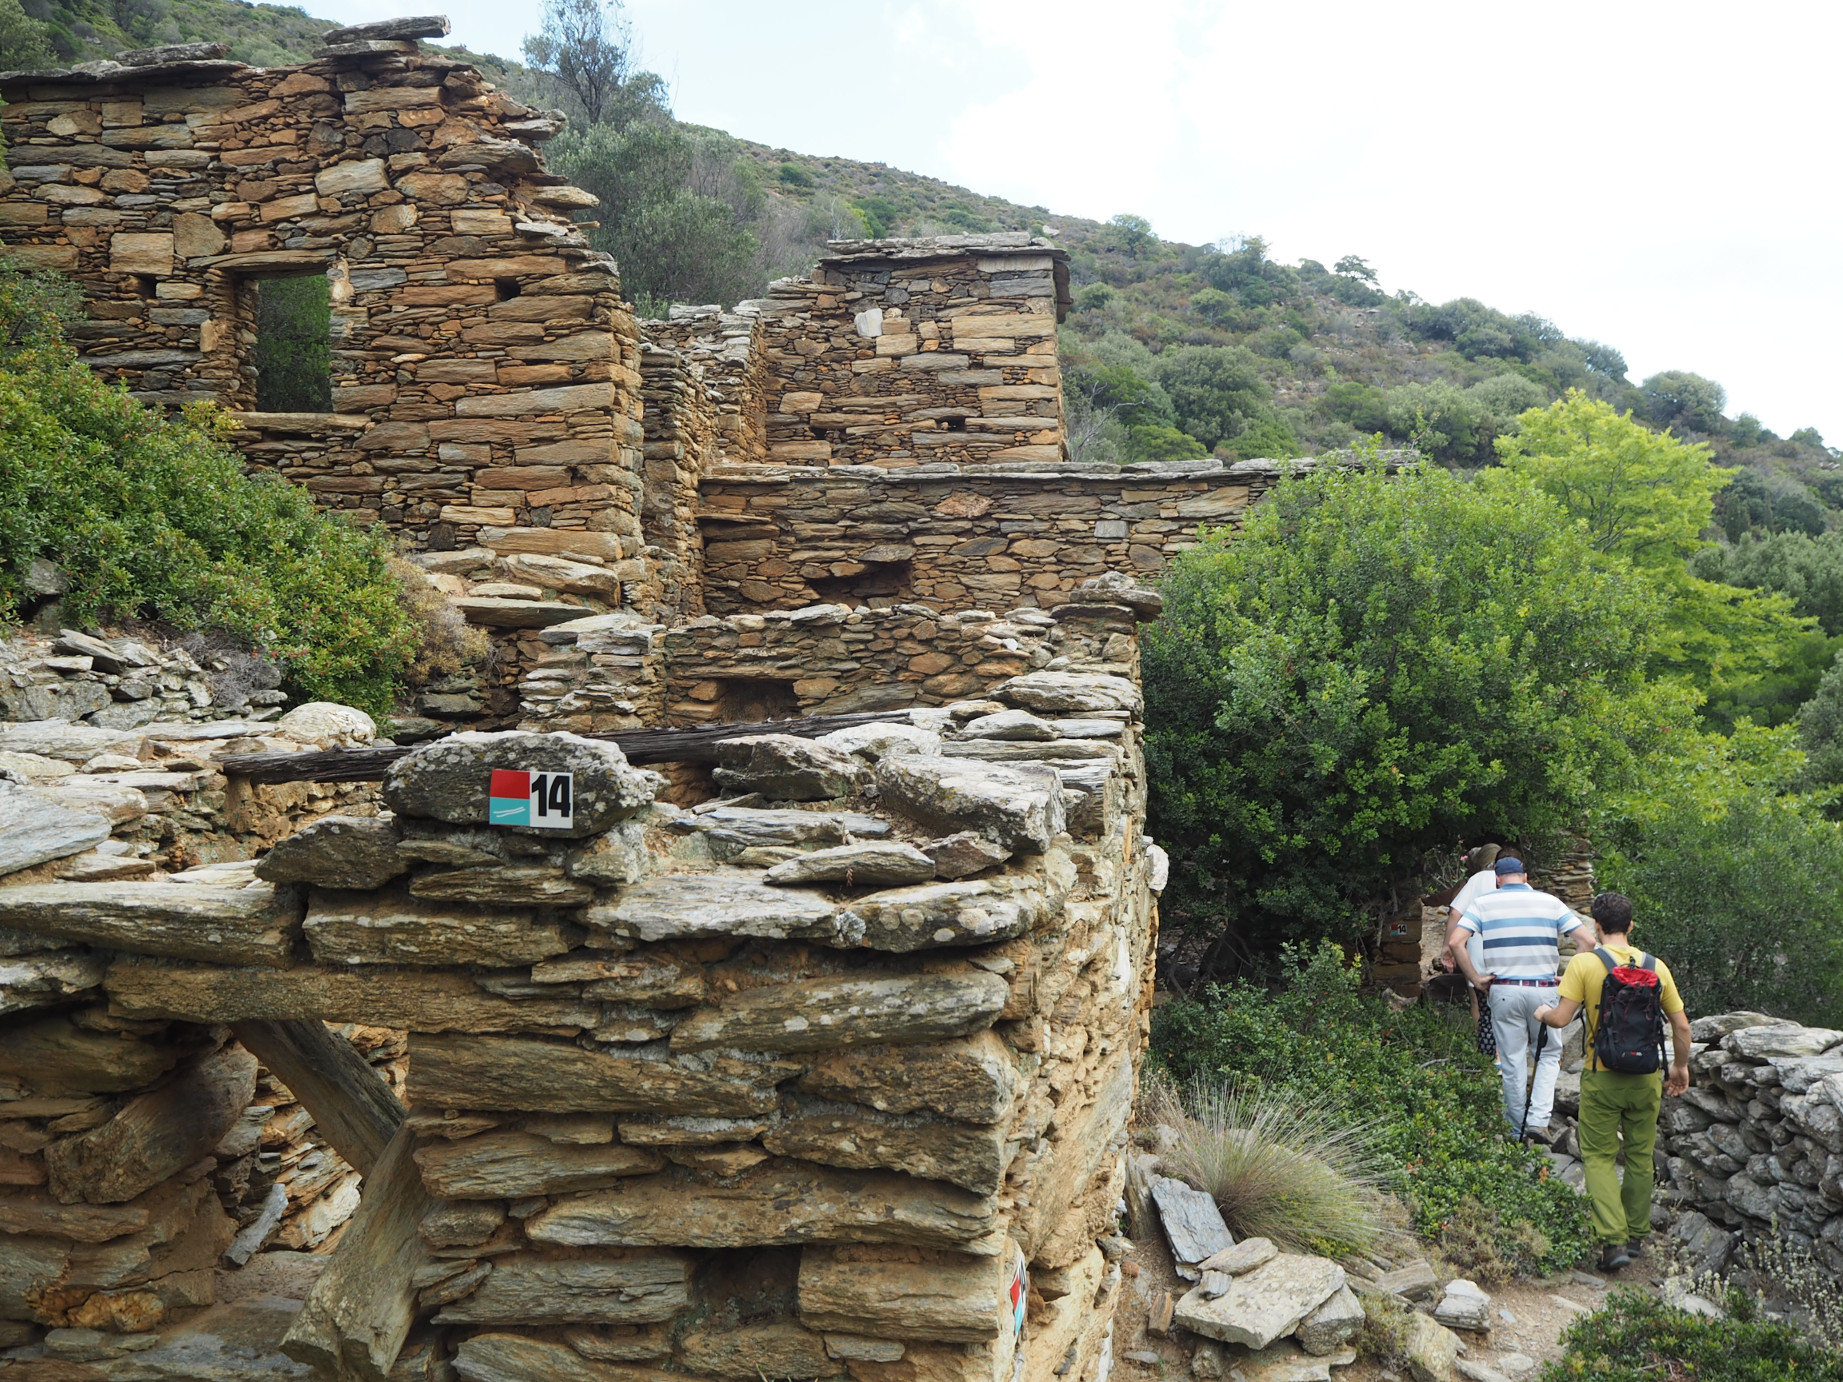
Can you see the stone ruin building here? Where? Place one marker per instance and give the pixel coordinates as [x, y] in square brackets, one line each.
[794, 1054]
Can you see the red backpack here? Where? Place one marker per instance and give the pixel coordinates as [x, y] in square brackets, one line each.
[1629, 1035]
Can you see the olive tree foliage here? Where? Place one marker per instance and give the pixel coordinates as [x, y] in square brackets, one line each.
[586, 49]
[1373, 667]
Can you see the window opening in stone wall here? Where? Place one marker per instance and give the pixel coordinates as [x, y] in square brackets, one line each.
[294, 347]
[880, 584]
[749, 700]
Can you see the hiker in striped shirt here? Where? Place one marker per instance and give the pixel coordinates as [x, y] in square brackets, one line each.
[1520, 931]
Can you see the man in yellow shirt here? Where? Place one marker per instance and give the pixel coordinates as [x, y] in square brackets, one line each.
[1619, 1111]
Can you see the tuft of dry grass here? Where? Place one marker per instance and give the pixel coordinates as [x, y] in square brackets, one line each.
[1279, 1166]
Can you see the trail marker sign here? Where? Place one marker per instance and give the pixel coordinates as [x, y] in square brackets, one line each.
[540, 800]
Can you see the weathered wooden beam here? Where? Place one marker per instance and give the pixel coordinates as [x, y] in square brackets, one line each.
[697, 744]
[352, 1106]
[359, 1312]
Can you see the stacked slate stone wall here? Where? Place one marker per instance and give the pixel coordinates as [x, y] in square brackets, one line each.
[1756, 1145]
[951, 536]
[811, 1080]
[901, 352]
[726, 346]
[682, 421]
[485, 369]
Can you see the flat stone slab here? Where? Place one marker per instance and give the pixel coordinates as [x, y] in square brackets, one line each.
[964, 853]
[34, 830]
[872, 864]
[1464, 1306]
[881, 740]
[1414, 1281]
[1193, 1224]
[825, 1014]
[732, 829]
[1070, 693]
[1245, 1256]
[1267, 1304]
[777, 1202]
[1009, 724]
[224, 925]
[727, 902]
[498, 612]
[336, 852]
[511, 1165]
[1019, 807]
[785, 767]
[42, 981]
[971, 911]
[347, 928]
[1781, 1039]
[1335, 1323]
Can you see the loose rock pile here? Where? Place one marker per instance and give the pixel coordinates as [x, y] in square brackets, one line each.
[1756, 1145]
[90, 804]
[124, 683]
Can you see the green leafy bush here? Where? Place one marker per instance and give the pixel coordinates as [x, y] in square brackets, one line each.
[1736, 882]
[1431, 1102]
[1638, 1338]
[152, 517]
[1374, 666]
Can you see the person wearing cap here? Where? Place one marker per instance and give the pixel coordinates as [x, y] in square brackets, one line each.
[1519, 931]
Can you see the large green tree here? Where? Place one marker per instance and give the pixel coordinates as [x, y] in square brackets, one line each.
[1375, 665]
[1649, 497]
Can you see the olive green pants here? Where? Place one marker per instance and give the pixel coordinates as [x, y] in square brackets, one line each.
[1619, 1113]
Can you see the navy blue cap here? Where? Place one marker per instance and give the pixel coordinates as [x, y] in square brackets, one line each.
[1509, 864]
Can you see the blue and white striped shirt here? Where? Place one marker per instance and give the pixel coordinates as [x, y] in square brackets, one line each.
[1520, 930]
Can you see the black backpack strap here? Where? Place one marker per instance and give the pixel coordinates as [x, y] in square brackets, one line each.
[1647, 961]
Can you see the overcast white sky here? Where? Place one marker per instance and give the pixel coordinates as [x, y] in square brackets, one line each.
[1662, 177]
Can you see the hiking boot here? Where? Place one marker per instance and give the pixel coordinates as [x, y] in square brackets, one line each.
[1539, 1137]
[1614, 1257]
[1635, 1248]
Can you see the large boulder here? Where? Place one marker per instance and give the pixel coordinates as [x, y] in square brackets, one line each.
[328, 725]
[449, 779]
[785, 767]
[1018, 806]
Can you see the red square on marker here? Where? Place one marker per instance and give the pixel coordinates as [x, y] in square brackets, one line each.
[507, 783]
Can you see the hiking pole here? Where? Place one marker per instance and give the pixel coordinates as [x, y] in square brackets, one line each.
[1542, 1039]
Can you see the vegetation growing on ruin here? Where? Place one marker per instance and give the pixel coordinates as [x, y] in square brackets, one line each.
[151, 516]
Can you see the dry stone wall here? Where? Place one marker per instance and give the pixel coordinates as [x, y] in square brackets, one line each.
[950, 536]
[893, 353]
[815, 1062]
[486, 370]
[1756, 1144]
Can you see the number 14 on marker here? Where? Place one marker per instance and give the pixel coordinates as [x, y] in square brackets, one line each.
[543, 800]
